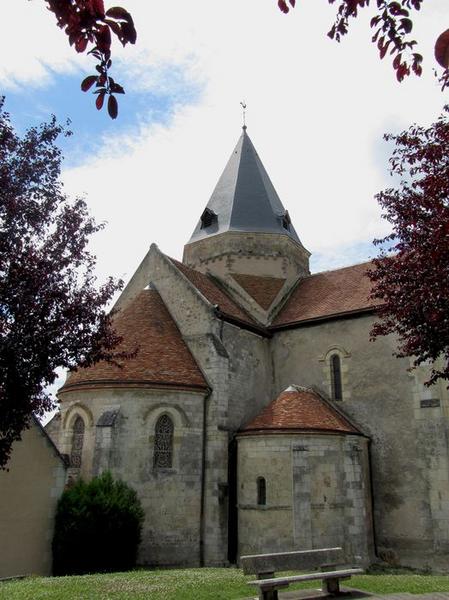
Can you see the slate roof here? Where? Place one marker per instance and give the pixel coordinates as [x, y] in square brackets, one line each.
[328, 294]
[300, 409]
[214, 293]
[163, 357]
[244, 198]
[263, 289]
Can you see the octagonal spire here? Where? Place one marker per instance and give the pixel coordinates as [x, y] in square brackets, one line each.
[244, 199]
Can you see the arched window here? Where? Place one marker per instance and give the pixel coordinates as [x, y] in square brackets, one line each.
[335, 366]
[77, 443]
[163, 443]
[261, 491]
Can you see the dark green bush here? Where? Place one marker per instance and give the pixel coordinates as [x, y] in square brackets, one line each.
[97, 528]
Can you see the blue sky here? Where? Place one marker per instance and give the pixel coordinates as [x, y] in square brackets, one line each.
[317, 111]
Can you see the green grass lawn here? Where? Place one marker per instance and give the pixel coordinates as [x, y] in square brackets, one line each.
[189, 584]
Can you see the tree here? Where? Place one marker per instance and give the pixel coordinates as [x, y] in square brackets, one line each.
[98, 527]
[413, 281]
[392, 25]
[51, 314]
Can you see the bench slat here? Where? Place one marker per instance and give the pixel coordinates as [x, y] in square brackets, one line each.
[297, 560]
[281, 581]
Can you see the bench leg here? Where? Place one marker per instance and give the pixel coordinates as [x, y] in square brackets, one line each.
[268, 595]
[331, 585]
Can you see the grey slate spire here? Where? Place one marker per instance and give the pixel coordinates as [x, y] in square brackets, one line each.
[244, 199]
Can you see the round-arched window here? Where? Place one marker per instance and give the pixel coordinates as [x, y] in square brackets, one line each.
[163, 443]
[77, 443]
[336, 387]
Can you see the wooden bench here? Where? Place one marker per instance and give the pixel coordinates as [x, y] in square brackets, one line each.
[326, 559]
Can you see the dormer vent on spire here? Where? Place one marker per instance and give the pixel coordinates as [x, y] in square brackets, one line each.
[208, 218]
[286, 221]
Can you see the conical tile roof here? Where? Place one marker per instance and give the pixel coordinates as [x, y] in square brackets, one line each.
[244, 199]
[300, 409]
[162, 358]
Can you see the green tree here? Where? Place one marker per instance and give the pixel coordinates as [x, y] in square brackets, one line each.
[97, 528]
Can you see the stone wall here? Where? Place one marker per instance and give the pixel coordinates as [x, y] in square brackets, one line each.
[409, 442]
[317, 494]
[236, 364]
[255, 253]
[122, 436]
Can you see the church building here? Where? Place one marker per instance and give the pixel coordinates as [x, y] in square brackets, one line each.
[256, 415]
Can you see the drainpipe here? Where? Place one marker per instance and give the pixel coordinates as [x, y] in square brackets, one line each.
[203, 478]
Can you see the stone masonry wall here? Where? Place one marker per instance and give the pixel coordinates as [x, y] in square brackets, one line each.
[317, 494]
[237, 366]
[409, 450]
[235, 252]
[123, 438]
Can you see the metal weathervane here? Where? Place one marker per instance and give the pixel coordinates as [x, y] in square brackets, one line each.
[243, 105]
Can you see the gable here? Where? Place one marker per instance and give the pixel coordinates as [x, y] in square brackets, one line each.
[214, 293]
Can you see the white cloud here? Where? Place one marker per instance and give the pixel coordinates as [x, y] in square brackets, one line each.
[316, 113]
[32, 48]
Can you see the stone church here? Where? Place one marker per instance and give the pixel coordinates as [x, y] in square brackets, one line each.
[257, 416]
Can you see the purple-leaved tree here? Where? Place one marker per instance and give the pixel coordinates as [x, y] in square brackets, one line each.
[411, 276]
[51, 312]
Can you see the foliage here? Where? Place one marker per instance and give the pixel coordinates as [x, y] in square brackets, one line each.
[97, 527]
[191, 584]
[86, 22]
[392, 25]
[413, 282]
[51, 314]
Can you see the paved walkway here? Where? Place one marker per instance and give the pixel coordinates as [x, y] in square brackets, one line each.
[404, 596]
[355, 594]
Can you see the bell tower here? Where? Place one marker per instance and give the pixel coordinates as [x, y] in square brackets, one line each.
[245, 229]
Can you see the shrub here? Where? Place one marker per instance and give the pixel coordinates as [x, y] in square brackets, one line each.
[97, 527]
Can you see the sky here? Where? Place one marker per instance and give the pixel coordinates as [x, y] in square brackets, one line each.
[316, 113]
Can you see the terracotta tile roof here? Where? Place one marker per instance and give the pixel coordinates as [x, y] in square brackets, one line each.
[213, 292]
[163, 358]
[302, 409]
[327, 294]
[263, 289]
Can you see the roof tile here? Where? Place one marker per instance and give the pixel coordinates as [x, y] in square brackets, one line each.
[263, 289]
[327, 294]
[302, 409]
[162, 357]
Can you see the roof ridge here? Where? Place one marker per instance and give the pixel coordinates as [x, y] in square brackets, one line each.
[365, 262]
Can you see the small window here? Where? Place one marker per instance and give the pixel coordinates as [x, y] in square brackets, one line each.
[208, 218]
[335, 366]
[77, 443]
[163, 443]
[261, 491]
